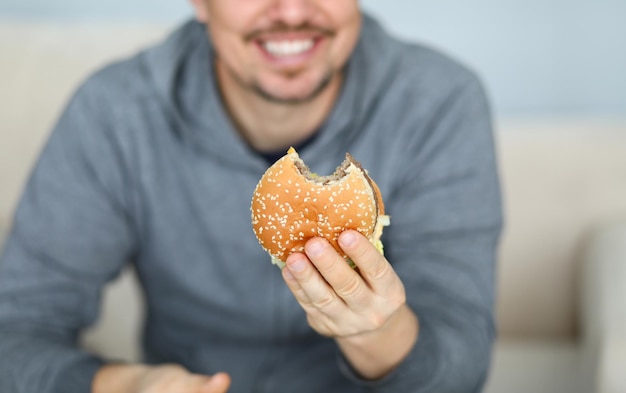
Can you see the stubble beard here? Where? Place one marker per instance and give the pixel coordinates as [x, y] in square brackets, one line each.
[256, 87]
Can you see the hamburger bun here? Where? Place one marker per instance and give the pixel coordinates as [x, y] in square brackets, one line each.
[291, 205]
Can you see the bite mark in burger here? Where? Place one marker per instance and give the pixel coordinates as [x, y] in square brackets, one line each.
[291, 205]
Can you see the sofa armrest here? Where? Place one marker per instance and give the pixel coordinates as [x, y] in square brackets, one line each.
[603, 310]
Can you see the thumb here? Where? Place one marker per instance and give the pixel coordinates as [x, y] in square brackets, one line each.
[218, 383]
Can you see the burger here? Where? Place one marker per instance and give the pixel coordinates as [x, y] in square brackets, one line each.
[291, 205]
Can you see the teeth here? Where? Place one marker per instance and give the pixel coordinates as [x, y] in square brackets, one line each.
[287, 48]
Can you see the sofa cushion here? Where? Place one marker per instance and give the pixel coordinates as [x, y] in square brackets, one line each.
[538, 367]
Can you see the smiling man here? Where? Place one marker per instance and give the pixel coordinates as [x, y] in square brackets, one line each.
[154, 163]
[280, 64]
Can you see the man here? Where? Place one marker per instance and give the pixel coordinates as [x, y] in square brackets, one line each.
[154, 162]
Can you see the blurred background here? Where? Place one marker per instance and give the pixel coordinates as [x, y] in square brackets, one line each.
[556, 74]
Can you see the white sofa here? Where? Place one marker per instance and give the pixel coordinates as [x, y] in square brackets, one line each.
[562, 272]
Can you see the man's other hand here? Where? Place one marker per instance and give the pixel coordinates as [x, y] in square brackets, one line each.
[169, 378]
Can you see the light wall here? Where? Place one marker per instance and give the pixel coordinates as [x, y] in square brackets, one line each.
[538, 58]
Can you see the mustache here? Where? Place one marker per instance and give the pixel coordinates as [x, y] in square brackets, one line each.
[282, 28]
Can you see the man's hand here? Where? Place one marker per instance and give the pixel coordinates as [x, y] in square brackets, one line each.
[170, 378]
[364, 309]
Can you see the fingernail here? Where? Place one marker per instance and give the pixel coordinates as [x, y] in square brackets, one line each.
[315, 248]
[347, 239]
[296, 266]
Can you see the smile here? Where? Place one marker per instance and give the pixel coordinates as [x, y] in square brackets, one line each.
[288, 48]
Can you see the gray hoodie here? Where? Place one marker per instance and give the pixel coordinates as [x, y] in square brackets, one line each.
[145, 167]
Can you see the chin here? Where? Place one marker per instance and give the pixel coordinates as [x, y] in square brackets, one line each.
[295, 92]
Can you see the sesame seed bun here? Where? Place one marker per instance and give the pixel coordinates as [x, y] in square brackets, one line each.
[290, 205]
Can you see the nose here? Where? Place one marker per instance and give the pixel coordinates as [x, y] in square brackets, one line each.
[292, 12]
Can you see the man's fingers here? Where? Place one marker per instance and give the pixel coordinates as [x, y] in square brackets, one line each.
[218, 383]
[309, 287]
[372, 265]
[189, 383]
[340, 300]
[346, 282]
[294, 285]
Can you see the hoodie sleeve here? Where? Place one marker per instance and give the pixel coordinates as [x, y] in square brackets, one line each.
[445, 225]
[70, 236]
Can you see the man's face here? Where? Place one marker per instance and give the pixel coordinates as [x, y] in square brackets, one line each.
[283, 50]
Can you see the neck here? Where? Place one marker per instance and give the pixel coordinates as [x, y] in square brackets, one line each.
[268, 125]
